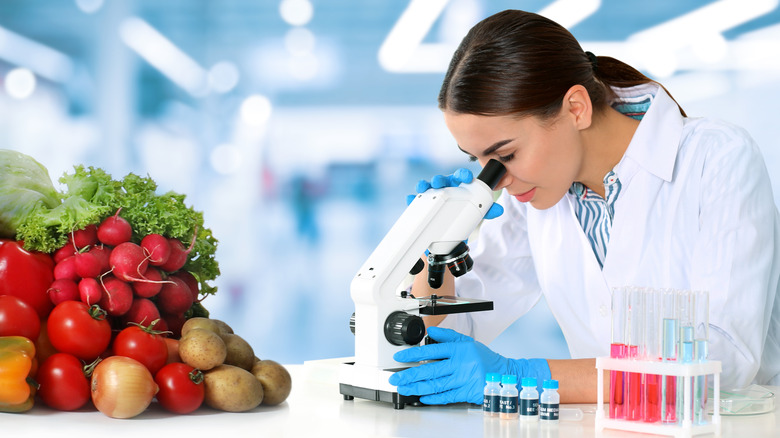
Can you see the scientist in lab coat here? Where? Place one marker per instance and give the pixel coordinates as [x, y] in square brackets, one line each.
[608, 184]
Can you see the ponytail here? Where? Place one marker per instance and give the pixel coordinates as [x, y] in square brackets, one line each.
[614, 73]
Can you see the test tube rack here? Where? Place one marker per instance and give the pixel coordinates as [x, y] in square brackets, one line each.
[684, 428]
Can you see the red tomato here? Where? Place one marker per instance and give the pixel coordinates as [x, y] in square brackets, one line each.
[18, 318]
[181, 388]
[142, 344]
[43, 347]
[27, 275]
[173, 350]
[79, 329]
[63, 384]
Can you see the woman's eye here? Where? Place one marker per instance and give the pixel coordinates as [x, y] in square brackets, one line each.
[506, 158]
[472, 158]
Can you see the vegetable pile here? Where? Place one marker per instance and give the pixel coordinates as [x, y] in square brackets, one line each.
[100, 290]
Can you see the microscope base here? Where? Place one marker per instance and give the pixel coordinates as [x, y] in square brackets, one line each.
[353, 385]
[399, 401]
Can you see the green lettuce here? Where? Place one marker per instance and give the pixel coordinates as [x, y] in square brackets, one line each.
[24, 187]
[91, 195]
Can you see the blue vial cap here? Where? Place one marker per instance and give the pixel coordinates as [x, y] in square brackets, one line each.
[550, 384]
[509, 379]
[493, 377]
[529, 381]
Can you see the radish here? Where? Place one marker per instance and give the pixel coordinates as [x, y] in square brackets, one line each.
[157, 248]
[179, 254]
[173, 324]
[150, 288]
[85, 237]
[87, 265]
[117, 296]
[128, 262]
[66, 269]
[177, 258]
[65, 252]
[90, 291]
[174, 297]
[63, 290]
[142, 311]
[102, 253]
[114, 230]
[162, 326]
[190, 281]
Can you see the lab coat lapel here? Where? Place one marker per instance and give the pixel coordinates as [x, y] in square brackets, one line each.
[641, 210]
[570, 277]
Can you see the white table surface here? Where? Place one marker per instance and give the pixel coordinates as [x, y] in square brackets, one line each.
[315, 408]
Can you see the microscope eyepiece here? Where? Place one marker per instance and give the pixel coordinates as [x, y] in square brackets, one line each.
[492, 173]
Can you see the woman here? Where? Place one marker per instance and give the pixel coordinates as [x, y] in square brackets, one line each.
[608, 184]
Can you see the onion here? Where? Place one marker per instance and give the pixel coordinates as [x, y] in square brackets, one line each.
[122, 387]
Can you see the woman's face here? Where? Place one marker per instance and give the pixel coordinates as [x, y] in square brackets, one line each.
[542, 159]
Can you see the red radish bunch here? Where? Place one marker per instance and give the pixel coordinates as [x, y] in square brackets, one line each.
[133, 282]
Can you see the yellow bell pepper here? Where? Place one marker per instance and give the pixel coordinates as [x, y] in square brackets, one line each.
[17, 390]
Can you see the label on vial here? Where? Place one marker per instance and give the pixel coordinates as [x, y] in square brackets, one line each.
[548, 411]
[508, 405]
[529, 406]
[491, 403]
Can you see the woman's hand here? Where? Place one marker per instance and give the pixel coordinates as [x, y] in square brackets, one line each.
[461, 175]
[458, 373]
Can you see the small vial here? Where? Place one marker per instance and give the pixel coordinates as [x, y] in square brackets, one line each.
[549, 401]
[508, 398]
[529, 400]
[491, 404]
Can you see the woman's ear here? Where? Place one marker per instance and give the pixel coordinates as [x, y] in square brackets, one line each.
[577, 104]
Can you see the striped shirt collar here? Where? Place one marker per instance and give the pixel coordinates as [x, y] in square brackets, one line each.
[596, 213]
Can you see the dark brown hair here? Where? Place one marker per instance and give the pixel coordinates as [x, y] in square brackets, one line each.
[520, 63]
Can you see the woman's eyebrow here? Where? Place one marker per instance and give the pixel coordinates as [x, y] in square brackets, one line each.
[492, 148]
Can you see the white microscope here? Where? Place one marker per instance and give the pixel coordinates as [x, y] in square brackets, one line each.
[386, 319]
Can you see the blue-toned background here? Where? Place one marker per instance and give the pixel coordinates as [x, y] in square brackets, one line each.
[298, 126]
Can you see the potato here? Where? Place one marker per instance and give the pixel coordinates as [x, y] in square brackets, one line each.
[233, 389]
[239, 352]
[275, 379]
[202, 349]
[223, 326]
[201, 322]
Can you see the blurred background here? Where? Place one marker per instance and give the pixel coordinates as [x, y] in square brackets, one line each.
[299, 126]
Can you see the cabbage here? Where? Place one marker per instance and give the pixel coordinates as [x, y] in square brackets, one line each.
[25, 186]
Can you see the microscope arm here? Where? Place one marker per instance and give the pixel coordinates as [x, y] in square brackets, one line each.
[437, 220]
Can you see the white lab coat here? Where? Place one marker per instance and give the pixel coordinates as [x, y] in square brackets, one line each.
[696, 212]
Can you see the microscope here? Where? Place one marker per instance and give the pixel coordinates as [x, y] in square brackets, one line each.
[387, 319]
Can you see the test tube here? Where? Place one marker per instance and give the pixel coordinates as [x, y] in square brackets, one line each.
[669, 341]
[633, 383]
[618, 350]
[701, 334]
[685, 307]
[651, 388]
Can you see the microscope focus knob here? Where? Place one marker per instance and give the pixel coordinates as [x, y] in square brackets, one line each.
[404, 328]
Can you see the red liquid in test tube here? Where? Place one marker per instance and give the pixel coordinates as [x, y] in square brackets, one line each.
[618, 350]
[633, 387]
[616, 379]
[651, 398]
[635, 318]
[651, 351]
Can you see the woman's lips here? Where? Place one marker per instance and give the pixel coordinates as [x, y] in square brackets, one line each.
[527, 196]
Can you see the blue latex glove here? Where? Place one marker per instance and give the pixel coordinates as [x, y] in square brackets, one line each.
[460, 376]
[461, 175]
